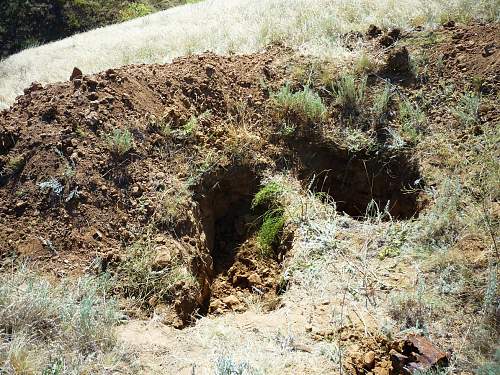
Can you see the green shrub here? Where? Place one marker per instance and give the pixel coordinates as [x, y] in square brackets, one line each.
[140, 278]
[53, 326]
[120, 142]
[467, 110]
[273, 220]
[135, 10]
[381, 105]
[270, 231]
[268, 196]
[349, 94]
[412, 120]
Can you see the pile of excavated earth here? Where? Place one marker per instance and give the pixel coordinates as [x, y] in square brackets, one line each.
[164, 160]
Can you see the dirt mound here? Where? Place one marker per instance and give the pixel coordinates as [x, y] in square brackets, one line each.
[159, 163]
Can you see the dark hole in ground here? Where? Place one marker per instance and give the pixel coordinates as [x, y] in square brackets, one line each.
[353, 181]
[230, 227]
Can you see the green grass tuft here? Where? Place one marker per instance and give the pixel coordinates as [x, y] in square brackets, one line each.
[306, 104]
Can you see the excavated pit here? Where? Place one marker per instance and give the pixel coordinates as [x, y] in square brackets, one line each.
[229, 224]
[354, 181]
[239, 271]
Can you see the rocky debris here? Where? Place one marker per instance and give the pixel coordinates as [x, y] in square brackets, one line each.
[167, 251]
[254, 279]
[231, 301]
[386, 41]
[394, 33]
[390, 37]
[35, 86]
[369, 360]
[416, 354]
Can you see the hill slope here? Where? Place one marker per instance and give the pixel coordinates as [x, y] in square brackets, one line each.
[224, 26]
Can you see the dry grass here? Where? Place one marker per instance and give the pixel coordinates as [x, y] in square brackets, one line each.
[224, 26]
[57, 328]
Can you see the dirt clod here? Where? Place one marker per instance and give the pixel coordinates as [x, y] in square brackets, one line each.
[398, 61]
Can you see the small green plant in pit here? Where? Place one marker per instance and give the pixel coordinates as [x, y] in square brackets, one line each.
[120, 142]
[273, 219]
[15, 164]
[467, 110]
[349, 94]
[412, 120]
[270, 231]
[306, 104]
[268, 196]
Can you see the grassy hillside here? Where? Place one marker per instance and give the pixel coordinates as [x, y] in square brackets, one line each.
[26, 24]
[226, 26]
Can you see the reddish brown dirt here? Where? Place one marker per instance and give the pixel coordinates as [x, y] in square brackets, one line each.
[59, 135]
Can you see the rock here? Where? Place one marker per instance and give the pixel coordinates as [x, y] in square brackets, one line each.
[216, 304]
[398, 61]
[369, 360]
[427, 355]
[254, 279]
[76, 74]
[171, 251]
[92, 84]
[49, 114]
[488, 50]
[231, 301]
[240, 280]
[97, 235]
[386, 41]
[163, 257]
[210, 70]
[21, 206]
[381, 371]
[415, 354]
[92, 119]
[35, 86]
[394, 33]
[373, 31]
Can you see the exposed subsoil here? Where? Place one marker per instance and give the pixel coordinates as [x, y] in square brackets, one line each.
[67, 199]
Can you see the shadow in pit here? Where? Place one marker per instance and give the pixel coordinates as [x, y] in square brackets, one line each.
[355, 180]
[226, 216]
